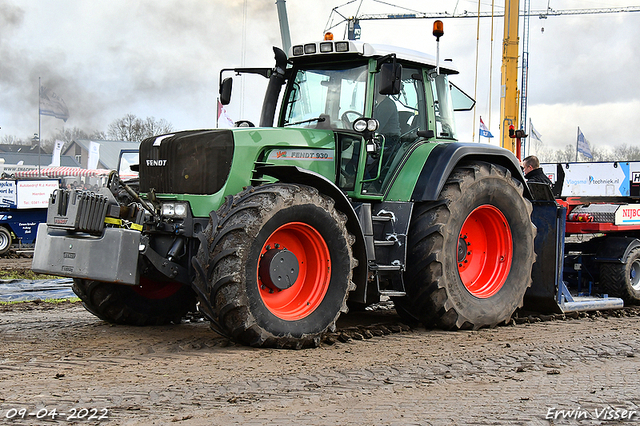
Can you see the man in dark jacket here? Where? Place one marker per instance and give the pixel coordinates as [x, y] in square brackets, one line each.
[533, 172]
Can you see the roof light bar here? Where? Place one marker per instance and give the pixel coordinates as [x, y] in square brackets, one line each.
[322, 47]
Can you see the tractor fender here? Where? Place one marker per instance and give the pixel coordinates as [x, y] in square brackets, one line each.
[294, 174]
[615, 249]
[446, 156]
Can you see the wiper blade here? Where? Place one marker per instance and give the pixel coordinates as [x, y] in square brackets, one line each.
[311, 120]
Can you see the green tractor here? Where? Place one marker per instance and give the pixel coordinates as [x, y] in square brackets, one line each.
[361, 190]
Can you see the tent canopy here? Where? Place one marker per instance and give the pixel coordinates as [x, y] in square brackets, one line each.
[60, 172]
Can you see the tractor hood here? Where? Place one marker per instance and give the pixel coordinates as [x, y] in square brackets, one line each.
[190, 162]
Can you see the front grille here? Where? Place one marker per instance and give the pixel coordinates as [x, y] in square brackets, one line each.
[192, 162]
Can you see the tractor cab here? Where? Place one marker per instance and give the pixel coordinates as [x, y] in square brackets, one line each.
[329, 85]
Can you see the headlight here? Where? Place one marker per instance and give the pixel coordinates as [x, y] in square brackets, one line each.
[361, 124]
[342, 46]
[174, 209]
[326, 47]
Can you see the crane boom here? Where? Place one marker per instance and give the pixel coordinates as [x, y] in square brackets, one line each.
[542, 14]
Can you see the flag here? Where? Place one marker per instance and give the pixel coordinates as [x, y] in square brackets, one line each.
[52, 105]
[55, 156]
[484, 131]
[583, 145]
[94, 155]
[533, 132]
[224, 121]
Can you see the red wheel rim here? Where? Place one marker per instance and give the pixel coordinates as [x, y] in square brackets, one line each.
[314, 262]
[485, 251]
[156, 289]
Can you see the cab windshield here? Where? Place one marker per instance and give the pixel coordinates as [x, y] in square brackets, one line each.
[326, 98]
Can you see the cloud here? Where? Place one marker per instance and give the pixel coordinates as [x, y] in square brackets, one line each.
[105, 60]
[162, 58]
[570, 62]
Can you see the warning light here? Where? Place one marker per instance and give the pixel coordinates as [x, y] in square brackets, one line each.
[438, 29]
[519, 134]
[328, 35]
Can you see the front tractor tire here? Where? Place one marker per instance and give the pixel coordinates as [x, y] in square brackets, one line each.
[277, 266]
[150, 303]
[470, 253]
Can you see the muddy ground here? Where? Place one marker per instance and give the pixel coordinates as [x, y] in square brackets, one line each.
[61, 357]
[14, 261]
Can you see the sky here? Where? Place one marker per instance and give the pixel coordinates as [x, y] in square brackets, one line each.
[162, 59]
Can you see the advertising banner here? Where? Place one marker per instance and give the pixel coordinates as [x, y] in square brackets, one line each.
[35, 193]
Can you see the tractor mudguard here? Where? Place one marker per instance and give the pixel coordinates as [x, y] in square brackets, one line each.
[615, 249]
[294, 174]
[444, 158]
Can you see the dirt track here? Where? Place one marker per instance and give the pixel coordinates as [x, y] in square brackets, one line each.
[64, 358]
[13, 261]
[61, 357]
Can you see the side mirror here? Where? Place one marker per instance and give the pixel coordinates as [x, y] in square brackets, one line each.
[427, 134]
[225, 91]
[390, 78]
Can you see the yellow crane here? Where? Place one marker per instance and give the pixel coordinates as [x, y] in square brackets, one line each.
[509, 95]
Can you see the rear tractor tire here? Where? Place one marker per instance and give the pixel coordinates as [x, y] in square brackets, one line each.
[470, 253]
[623, 279]
[278, 266]
[150, 303]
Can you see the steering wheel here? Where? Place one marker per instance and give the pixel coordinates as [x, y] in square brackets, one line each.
[345, 118]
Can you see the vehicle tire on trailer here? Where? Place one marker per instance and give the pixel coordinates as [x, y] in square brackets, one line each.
[278, 266]
[623, 279]
[5, 240]
[470, 253]
[150, 303]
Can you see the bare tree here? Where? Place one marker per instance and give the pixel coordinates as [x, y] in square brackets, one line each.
[68, 135]
[159, 127]
[601, 154]
[98, 135]
[132, 128]
[625, 152]
[566, 155]
[13, 140]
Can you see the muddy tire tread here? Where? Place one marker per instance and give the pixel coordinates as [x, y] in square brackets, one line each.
[119, 304]
[425, 276]
[223, 259]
